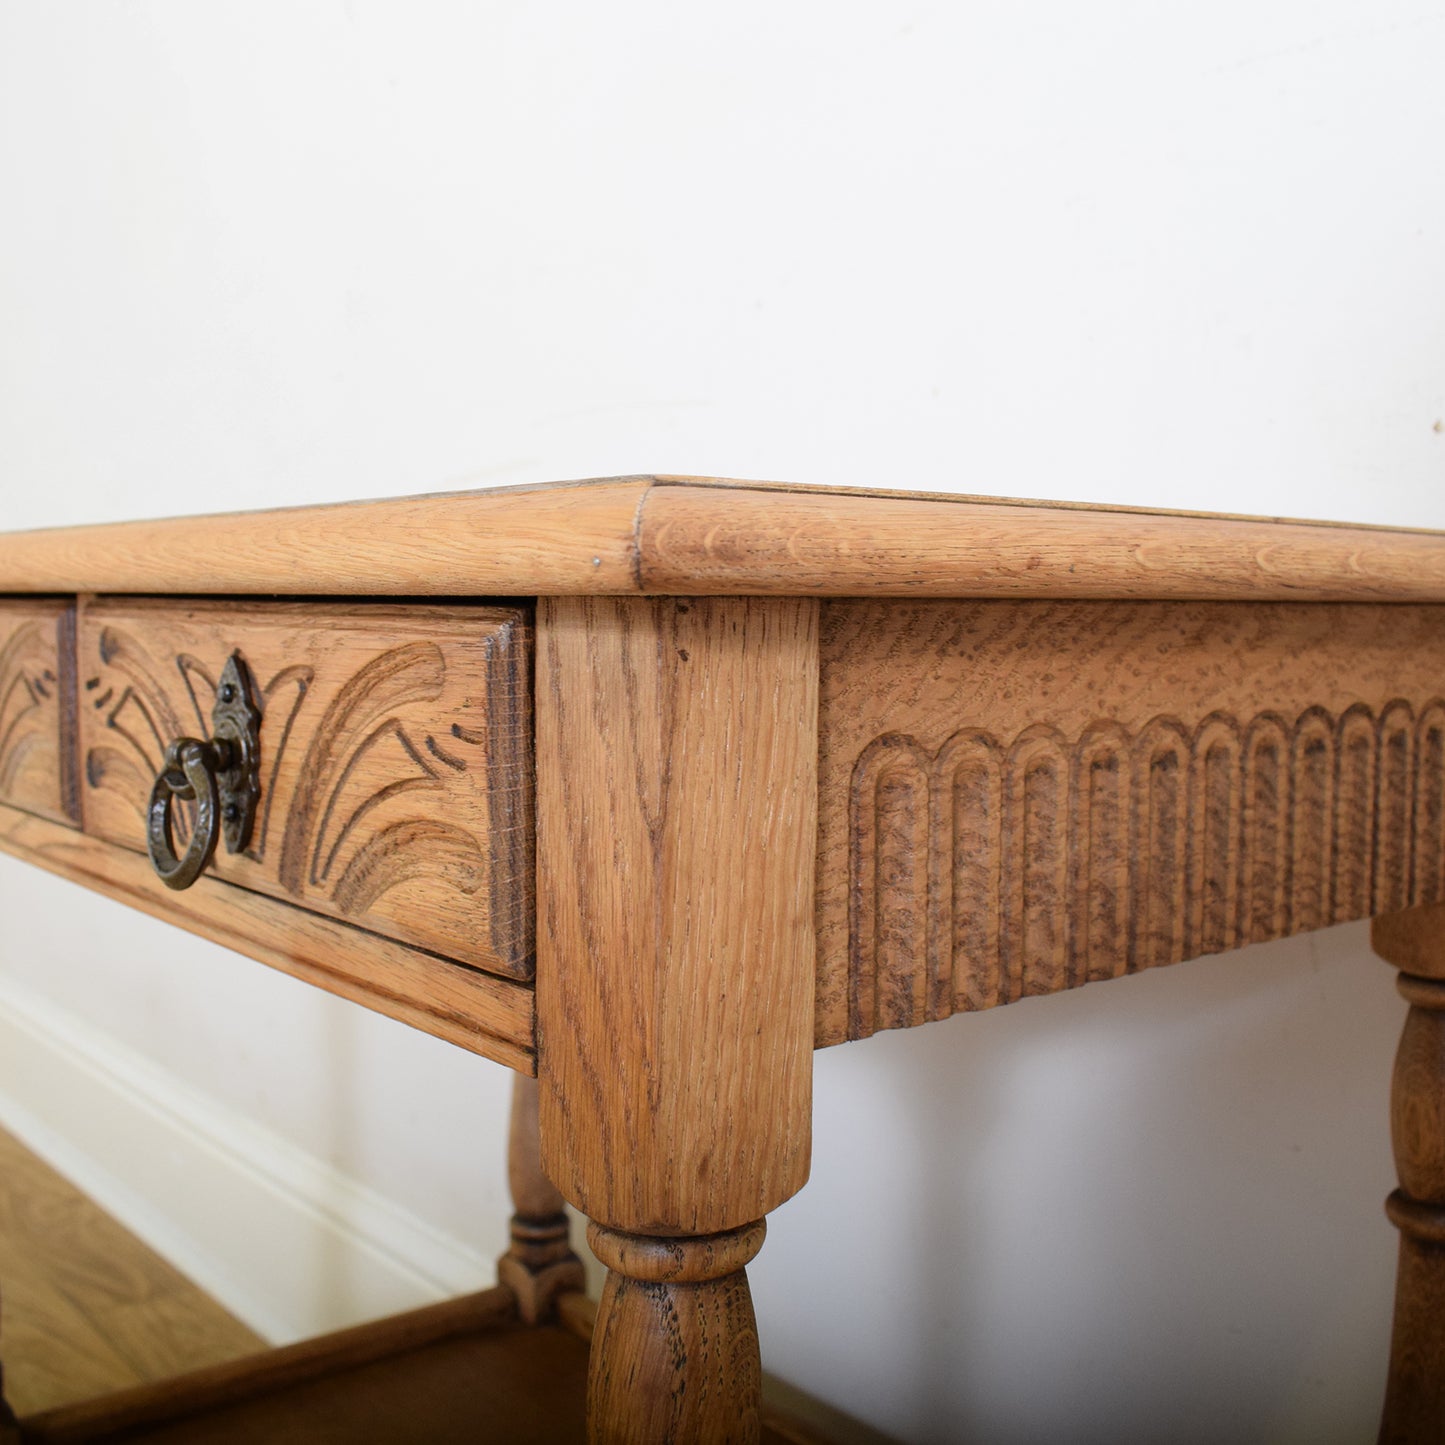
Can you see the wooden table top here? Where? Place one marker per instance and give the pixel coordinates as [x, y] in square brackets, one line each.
[687, 536]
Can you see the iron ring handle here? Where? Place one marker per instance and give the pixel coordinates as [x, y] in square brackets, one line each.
[189, 774]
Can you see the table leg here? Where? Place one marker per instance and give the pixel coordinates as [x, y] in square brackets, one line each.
[1415, 1394]
[675, 1353]
[677, 835]
[540, 1264]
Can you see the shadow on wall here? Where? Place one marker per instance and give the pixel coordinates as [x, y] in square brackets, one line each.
[1143, 1209]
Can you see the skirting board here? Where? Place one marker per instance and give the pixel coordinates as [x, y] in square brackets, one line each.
[288, 1244]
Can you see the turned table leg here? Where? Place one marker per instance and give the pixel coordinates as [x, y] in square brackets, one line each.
[675, 1352]
[540, 1264]
[676, 837]
[1415, 1393]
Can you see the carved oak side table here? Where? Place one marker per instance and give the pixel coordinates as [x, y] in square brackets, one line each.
[647, 788]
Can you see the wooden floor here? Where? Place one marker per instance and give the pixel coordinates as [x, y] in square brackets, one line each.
[87, 1310]
[85, 1307]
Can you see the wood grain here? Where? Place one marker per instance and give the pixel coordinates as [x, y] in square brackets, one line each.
[1017, 798]
[198, 1402]
[1413, 940]
[676, 824]
[701, 536]
[513, 542]
[1414, 1409]
[675, 1349]
[37, 707]
[677, 755]
[701, 539]
[87, 1307]
[539, 1265]
[396, 760]
[488, 1015]
[449, 1374]
[790, 1416]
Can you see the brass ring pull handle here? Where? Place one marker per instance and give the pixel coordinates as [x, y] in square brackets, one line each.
[222, 778]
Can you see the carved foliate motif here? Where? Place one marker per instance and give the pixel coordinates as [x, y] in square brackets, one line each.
[395, 758]
[35, 772]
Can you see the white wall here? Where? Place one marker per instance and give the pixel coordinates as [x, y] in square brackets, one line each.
[1182, 255]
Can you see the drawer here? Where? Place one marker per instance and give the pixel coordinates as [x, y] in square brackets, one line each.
[37, 751]
[395, 756]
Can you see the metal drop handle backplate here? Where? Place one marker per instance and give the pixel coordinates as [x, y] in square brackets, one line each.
[222, 777]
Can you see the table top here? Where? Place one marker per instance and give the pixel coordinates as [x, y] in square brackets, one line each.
[684, 536]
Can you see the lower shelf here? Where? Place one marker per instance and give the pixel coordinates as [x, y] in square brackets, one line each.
[462, 1371]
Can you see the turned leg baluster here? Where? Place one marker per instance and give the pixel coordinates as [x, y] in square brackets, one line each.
[675, 1352]
[1415, 1395]
[1414, 1411]
[540, 1264]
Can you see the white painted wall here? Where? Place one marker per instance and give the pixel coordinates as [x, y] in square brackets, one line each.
[1184, 255]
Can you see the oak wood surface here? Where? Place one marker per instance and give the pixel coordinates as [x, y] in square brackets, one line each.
[1120, 742]
[678, 535]
[459, 1371]
[449, 1374]
[539, 1265]
[253, 1375]
[478, 1011]
[37, 707]
[1414, 1409]
[395, 756]
[86, 1308]
[95, 1328]
[508, 542]
[677, 756]
[1019, 797]
[675, 1350]
[1413, 940]
[790, 1416]
[712, 539]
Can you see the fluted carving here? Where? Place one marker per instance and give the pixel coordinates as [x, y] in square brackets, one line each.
[1021, 797]
[986, 870]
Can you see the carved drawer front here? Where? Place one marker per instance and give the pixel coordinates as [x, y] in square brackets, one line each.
[1018, 797]
[395, 756]
[37, 754]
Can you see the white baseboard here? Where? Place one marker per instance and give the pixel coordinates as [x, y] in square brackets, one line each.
[287, 1243]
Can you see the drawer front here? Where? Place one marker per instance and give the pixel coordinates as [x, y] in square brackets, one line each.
[36, 713]
[396, 756]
